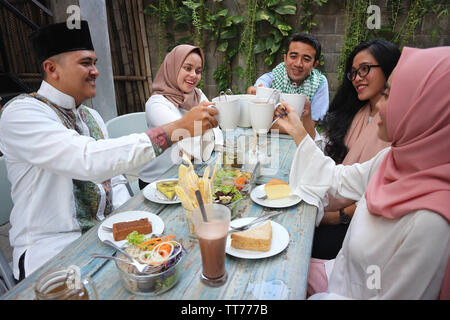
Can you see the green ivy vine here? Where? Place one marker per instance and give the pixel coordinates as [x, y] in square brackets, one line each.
[356, 29]
[261, 28]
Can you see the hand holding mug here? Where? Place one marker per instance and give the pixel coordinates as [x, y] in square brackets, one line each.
[203, 113]
[290, 122]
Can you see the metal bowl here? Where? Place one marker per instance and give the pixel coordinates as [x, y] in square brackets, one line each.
[152, 284]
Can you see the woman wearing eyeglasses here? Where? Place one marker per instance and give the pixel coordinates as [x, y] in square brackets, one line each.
[351, 131]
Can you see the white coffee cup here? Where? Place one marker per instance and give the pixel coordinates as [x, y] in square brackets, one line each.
[261, 114]
[229, 111]
[266, 93]
[296, 101]
[244, 120]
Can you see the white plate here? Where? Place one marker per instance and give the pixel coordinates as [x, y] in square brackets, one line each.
[280, 240]
[277, 203]
[157, 224]
[151, 193]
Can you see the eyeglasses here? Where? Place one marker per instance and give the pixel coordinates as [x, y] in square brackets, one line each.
[362, 71]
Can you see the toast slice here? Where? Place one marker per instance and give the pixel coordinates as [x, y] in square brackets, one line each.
[256, 239]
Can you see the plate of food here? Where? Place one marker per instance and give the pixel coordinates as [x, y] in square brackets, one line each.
[162, 191]
[262, 241]
[117, 227]
[274, 194]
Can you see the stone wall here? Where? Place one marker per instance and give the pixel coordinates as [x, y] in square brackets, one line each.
[329, 31]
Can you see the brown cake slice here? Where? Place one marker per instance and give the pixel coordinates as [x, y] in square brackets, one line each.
[122, 229]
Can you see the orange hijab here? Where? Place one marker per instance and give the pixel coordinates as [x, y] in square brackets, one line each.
[165, 82]
[415, 173]
[362, 138]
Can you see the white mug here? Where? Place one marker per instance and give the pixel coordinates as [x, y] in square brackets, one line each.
[261, 114]
[266, 93]
[244, 120]
[296, 101]
[229, 111]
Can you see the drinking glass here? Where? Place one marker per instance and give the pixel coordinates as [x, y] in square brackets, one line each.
[212, 238]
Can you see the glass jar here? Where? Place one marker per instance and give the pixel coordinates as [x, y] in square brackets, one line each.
[65, 284]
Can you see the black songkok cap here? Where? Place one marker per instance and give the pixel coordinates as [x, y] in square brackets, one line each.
[57, 38]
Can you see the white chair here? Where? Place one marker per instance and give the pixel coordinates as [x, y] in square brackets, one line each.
[124, 125]
[7, 279]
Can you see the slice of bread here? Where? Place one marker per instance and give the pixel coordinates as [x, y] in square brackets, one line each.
[277, 189]
[256, 239]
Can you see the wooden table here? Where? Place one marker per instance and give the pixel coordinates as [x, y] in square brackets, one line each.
[280, 277]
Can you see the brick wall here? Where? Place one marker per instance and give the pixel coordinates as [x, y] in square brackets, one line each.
[329, 31]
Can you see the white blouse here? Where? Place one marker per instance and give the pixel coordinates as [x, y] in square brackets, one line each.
[160, 111]
[42, 157]
[380, 258]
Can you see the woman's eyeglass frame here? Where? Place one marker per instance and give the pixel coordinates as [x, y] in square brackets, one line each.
[352, 75]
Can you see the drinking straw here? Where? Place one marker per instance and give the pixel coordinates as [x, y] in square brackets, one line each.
[201, 205]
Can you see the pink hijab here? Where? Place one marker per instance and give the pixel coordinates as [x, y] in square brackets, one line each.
[165, 82]
[415, 174]
[362, 138]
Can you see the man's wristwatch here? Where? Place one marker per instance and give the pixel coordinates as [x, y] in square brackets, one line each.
[343, 217]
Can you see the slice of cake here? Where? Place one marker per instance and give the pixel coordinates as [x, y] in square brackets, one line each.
[277, 189]
[256, 239]
[167, 188]
[122, 229]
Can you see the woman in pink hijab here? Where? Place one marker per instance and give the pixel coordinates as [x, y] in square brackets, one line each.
[398, 242]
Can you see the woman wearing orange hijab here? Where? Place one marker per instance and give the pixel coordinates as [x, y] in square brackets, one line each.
[398, 242]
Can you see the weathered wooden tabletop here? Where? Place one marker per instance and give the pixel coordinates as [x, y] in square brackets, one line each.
[280, 277]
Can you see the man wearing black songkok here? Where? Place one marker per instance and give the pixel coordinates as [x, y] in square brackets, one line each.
[65, 172]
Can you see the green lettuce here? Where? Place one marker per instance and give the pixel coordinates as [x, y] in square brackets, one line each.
[135, 238]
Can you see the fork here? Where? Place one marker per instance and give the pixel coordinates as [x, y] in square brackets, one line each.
[102, 256]
[142, 268]
[257, 220]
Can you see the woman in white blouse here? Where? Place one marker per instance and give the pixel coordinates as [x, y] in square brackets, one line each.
[174, 93]
[398, 242]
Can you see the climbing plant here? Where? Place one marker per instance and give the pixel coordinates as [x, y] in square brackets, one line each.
[356, 29]
[259, 29]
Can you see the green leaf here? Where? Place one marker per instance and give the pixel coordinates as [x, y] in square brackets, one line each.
[284, 28]
[274, 48]
[286, 9]
[222, 47]
[228, 34]
[239, 71]
[264, 14]
[277, 36]
[268, 60]
[192, 5]
[260, 46]
[237, 19]
[151, 10]
[269, 42]
[271, 3]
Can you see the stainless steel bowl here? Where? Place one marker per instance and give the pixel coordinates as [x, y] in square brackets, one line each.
[152, 284]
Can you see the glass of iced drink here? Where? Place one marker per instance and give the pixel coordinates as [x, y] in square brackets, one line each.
[212, 237]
